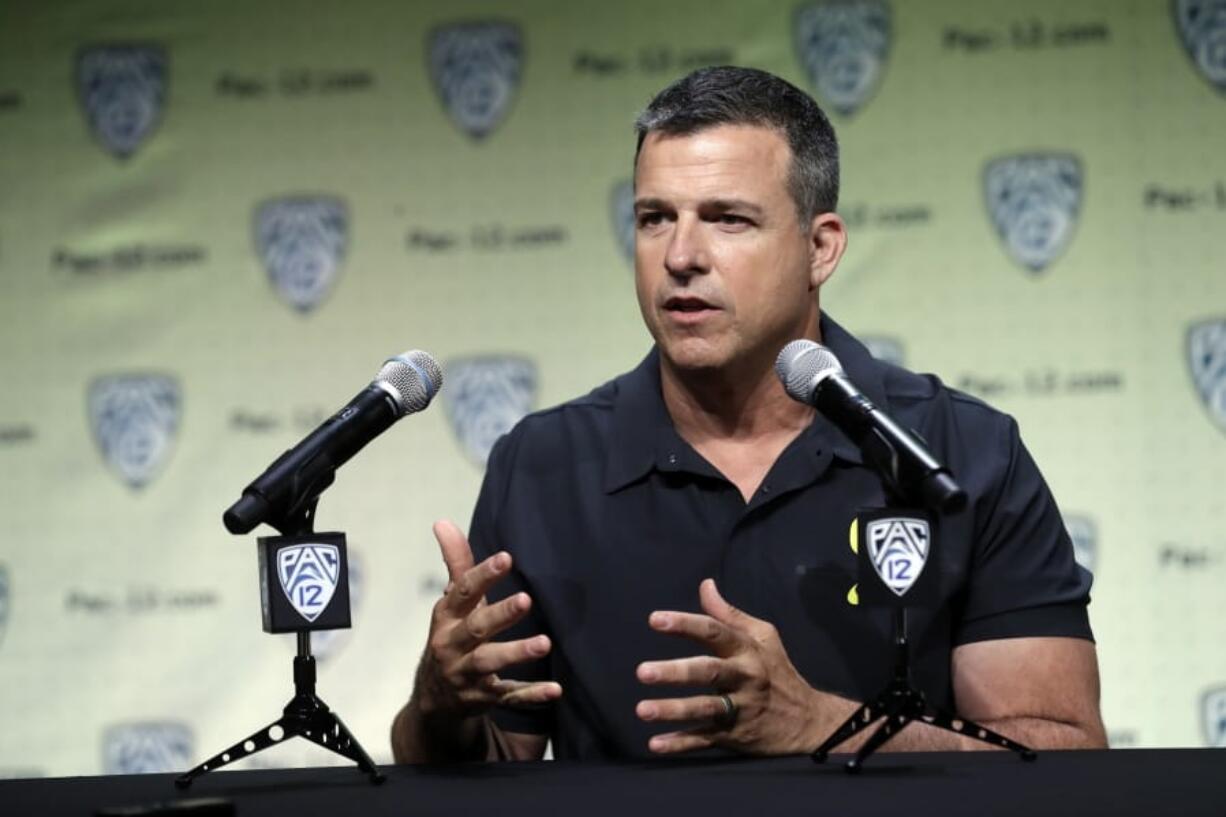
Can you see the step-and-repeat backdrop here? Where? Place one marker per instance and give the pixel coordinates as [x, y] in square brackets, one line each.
[218, 218]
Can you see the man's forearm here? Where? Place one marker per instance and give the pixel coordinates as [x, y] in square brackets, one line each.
[430, 738]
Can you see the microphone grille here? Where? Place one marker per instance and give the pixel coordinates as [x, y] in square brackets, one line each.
[415, 376]
[802, 364]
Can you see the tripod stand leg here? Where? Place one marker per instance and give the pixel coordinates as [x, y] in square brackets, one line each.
[971, 729]
[890, 726]
[862, 718]
[258, 741]
[329, 731]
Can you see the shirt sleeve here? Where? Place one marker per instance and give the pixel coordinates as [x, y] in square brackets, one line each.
[487, 535]
[1023, 580]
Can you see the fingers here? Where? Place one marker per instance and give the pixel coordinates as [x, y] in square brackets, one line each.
[457, 554]
[708, 708]
[469, 588]
[718, 608]
[700, 670]
[487, 621]
[497, 655]
[689, 741]
[715, 635]
[522, 693]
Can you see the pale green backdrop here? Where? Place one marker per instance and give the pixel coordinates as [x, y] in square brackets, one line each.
[129, 619]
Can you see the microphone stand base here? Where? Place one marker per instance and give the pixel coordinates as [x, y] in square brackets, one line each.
[899, 704]
[306, 716]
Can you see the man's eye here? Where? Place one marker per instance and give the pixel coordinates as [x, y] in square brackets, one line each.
[650, 219]
[732, 218]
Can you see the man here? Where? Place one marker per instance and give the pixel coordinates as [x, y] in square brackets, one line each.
[663, 566]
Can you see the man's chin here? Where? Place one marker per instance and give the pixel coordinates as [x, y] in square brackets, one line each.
[694, 357]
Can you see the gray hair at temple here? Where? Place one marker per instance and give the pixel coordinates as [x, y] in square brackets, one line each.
[728, 95]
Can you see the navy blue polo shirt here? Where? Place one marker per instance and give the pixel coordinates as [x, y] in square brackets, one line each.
[610, 515]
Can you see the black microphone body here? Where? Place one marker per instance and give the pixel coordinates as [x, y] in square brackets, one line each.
[305, 470]
[906, 463]
[811, 374]
[284, 494]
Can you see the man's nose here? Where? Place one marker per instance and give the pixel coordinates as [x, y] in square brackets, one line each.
[687, 251]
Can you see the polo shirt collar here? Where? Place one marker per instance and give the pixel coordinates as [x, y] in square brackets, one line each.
[644, 436]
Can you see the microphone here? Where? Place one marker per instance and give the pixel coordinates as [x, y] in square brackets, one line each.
[404, 385]
[811, 374]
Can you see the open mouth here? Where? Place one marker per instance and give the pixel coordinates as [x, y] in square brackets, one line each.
[687, 304]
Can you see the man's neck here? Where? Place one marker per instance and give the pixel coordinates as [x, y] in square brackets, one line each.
[732, 406]
[740, 403]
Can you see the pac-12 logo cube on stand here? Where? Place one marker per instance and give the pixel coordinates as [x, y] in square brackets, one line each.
[304, 582]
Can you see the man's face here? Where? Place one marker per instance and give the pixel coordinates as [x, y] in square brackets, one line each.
[725, 273]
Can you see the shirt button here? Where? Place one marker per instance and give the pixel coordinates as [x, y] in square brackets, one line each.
[672, 459]
[766, 489]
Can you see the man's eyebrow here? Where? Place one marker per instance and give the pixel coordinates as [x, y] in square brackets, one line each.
[650, 204]
[716, 205]
[726, 205]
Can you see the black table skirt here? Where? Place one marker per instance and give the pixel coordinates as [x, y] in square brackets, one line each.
[1120, 782]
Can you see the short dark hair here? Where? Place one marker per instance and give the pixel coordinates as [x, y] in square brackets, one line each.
[729, 95]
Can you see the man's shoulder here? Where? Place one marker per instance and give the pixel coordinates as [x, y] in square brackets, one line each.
[926, 394]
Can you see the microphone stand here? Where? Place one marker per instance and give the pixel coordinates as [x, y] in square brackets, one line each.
[306, 715]
[901, 703]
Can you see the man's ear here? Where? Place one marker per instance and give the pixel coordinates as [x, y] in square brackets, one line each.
[827, 243]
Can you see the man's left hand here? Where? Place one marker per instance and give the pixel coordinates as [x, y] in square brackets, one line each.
[759, 703]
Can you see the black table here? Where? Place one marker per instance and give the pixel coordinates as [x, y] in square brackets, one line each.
[1121, 782]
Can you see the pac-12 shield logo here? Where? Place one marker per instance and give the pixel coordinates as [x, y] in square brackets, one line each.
[1202, 27]
[309, 574]
[1084, 534]
[301, 241]
[122, 89]
[843, 45]
[146, 748]
[475, 68]
[898, 550]
[884, 347]
[327, 643]
[621, 214]
[134, 418]
[1034, 200]
[1207, 361]
[485, 397]
[1213, 715]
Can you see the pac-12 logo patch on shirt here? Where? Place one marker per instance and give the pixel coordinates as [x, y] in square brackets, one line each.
[898, 550]
[309, 575]
[843, 45]
[1202, 28]
[1207, 362]
[475, 68]
[301, 241]
[122, 89]
[1034, 200]
[134, 418]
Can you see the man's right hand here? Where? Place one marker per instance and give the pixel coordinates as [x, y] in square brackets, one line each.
[458, 674]
[457, 679]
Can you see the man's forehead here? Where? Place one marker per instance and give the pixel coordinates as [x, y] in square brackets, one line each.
[735, 155]
[762, 139]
